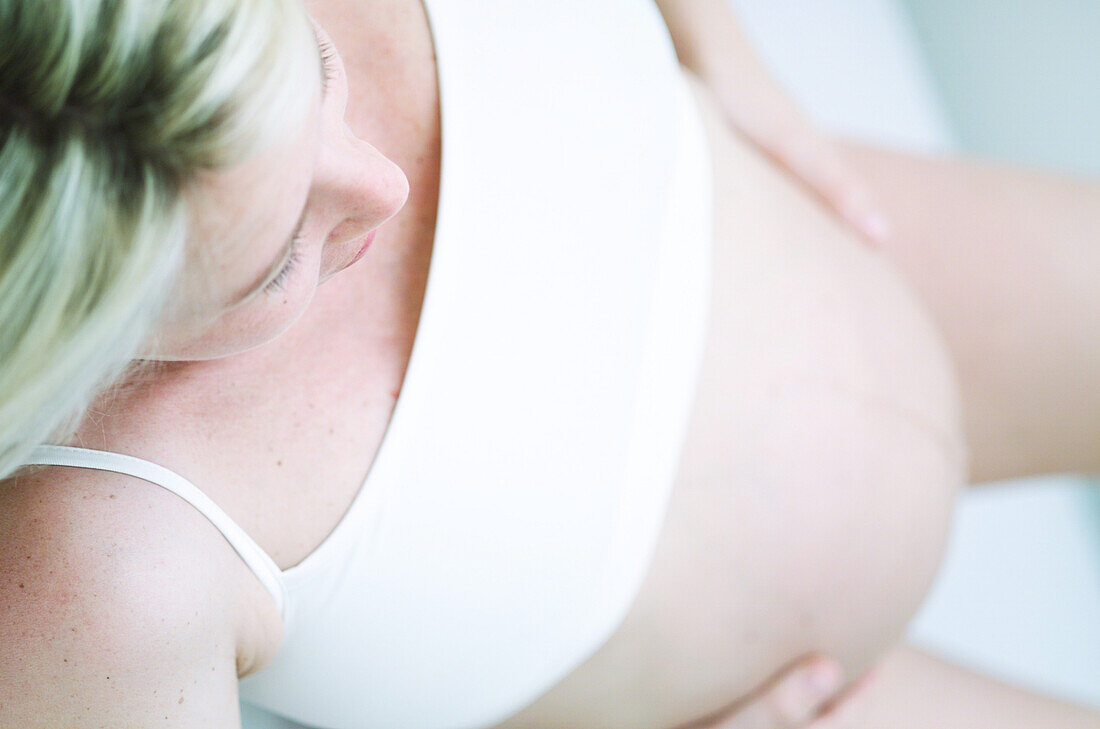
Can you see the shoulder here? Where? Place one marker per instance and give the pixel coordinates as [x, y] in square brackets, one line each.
[110, 597]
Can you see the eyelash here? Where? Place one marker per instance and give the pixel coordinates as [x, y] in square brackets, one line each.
[328, 58]
[279, 282]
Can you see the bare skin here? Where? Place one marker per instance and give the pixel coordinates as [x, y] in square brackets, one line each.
[827, 409]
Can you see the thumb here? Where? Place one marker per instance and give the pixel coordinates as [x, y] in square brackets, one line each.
[793, 699]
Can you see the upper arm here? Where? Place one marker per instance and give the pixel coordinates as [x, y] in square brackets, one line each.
[108, 616]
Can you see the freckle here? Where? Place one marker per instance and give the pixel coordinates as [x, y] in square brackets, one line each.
[278, 463]
[20, 585]
[331, 431]
[112, 496]
[180, 701]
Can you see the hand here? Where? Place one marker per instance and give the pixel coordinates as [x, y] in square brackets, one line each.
[709, 41]
[805, 695]
[757, 108]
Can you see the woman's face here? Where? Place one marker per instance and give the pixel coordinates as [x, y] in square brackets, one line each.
[266, 233]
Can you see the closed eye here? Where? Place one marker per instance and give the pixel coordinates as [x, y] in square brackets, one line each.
[279, 282]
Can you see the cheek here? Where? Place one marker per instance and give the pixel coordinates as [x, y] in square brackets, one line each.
[247, 327]
[269, 313]
[264, 318]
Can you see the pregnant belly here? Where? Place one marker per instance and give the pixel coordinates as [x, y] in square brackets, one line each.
[820, 464]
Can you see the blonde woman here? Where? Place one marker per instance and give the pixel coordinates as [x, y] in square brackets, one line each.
[638, 463]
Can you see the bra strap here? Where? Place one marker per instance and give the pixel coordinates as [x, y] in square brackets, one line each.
[256, 558]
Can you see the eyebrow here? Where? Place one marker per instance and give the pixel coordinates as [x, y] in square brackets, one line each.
[288, 247]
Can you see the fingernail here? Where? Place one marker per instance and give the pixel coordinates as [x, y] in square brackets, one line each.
[824, 679]
[875, 226]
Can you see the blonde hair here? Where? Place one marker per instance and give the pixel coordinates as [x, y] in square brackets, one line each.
[108, 110]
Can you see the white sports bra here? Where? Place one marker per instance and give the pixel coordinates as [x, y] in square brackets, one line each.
[514, 504]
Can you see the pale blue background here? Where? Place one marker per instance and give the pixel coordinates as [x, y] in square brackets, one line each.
[1019, 79]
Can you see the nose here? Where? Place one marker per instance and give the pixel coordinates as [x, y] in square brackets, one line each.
[362, 187]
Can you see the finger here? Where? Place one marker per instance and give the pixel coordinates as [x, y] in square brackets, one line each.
[853, 202]
[792, 701]
[817, 163]
[838, 707]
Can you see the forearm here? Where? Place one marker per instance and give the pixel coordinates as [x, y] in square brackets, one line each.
[710, 42]
[704, 33]
[915, 690]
